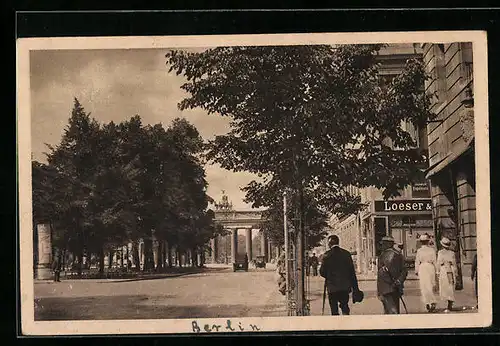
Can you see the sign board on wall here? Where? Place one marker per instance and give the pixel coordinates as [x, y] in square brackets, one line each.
[404, 206]
[420, 189]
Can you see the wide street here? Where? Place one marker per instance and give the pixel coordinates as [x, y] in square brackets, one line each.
[218, 292]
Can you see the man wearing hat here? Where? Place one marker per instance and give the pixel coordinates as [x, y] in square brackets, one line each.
[391, 275]
[425, 269]
[337, 268]
[447, 272]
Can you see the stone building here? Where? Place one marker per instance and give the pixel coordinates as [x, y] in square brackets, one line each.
[451, 145]
[405, 217]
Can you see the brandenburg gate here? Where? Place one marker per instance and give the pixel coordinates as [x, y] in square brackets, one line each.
[234, 221]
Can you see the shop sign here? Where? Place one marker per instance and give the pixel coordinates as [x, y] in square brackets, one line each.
[403, 206]
[420, 189]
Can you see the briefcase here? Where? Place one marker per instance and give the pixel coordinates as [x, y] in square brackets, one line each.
[357, 296]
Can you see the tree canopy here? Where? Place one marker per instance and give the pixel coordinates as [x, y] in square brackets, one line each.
[315, 115]
[108, 184]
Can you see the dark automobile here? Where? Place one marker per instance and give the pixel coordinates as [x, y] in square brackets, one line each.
[241, 263]
[260, 262]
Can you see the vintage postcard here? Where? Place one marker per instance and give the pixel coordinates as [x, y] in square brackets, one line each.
[253, 183]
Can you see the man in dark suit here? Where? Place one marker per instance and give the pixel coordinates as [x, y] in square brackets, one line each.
[337, 268]
[56, 266]
[391, 275]
[473, 276]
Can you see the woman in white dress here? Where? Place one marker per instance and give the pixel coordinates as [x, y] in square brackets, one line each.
[447, 271]
[425, 268]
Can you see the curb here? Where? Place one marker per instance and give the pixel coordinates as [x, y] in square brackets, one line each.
[138, 278]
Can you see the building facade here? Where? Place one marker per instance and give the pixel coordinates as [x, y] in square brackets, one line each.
[451, 146]
[405, 217]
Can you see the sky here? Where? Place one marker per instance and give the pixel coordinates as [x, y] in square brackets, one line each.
[114, 85]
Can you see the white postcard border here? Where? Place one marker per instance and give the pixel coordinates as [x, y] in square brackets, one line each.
[482, 318]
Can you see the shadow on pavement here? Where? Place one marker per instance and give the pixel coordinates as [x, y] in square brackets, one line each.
[137, 307]
[368, 294]
[165, 275]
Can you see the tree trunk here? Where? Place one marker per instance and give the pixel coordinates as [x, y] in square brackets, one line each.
[148, 254]
[195, 258]
[79, 264]
[179, 259]
[127, 258]
[161, 255]
[63, 260]
[169, 255]
[110, 259]
[101, 261]
[135, 255]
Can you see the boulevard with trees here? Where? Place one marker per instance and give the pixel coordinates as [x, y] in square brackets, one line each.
[107, 185]
[310, 121]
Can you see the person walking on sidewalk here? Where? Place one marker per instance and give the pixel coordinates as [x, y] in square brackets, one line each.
[425, 269]
[337, 268]
[314, 264]
[447, 272]
[473, 276]
[56, 266]
[391, 275]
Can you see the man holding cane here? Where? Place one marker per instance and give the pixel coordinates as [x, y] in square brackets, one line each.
[337, 268]
[391, 275]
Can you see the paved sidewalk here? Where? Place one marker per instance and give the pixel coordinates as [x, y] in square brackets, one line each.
[371, 305]
[140, 276]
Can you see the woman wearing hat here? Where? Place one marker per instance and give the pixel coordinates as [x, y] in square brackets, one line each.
[425, 268]
[447, 271]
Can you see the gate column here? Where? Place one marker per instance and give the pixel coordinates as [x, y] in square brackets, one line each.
[213, 247]
[248, 243]
[234, 244]
[263, 246]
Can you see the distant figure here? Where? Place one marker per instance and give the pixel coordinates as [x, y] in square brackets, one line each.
[425, 268]
[281, 270]
[473, 276]
[314, 264]
[56, 266]
[308, 264]
[337, 268]
[391, 275]
[447, 272]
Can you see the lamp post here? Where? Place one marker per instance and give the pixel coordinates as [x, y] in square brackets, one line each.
[287, 247]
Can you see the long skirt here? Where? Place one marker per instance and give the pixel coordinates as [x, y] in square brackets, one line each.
[427, 281]
[446, 285]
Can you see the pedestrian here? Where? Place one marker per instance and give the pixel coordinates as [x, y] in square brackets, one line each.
[308, 264]
[425, 269]
[56, 266]
[314, 264]
[281, 271]
[447, 271]
[473, 276]
[391, 275]
[337, 268]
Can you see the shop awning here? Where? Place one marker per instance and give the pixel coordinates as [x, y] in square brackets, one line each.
[448, 159]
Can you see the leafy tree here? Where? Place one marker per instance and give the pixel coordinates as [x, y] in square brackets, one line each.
[74, 159]
[107, 185]
[316, 118]
[315, 220]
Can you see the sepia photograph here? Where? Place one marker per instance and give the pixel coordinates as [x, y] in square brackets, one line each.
[253, 183]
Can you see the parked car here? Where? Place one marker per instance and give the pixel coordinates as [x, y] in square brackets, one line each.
[241, 263]
[260, 262]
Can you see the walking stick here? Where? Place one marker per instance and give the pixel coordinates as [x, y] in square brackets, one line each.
[324, 298]
[404, 304]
